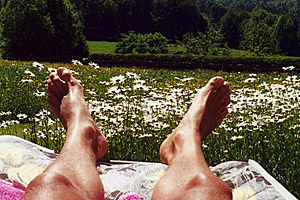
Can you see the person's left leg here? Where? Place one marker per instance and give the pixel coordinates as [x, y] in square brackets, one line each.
[73, 175]
[188, 176]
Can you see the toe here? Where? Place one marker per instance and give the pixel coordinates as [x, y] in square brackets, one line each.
[224, 113]
[220, 92]
[226, 102]
[52, 75]
[49, 82]
[215, 82]
[211, 87]
[225, 95]
[52, 89]
[224, 91]
[227, 84]
[62, 86]
[64, 74]
[221, 105]
[52, 92]
[53, 102]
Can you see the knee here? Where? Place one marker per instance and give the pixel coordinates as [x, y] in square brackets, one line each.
[52, 185]
[47, 179]
[208, 185]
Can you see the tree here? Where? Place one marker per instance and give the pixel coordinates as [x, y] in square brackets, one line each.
[231, 27]
[142, 43]
[286, 30]
[100, 19]
[41, 30]
[25, 29]
[216, 13]
[125, 15]
[238, 5]
[204, 5]
[174, 18]
[67, 40]
[278, 6]
[208, 43]
[142, 16]
[135, 15]
[258, 35]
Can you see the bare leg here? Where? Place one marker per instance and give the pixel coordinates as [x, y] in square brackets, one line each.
[73, 174]
[188, 176]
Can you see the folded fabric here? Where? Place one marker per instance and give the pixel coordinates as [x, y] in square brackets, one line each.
[130, 196]
[24, 174]
[8, 192]
[123, 180]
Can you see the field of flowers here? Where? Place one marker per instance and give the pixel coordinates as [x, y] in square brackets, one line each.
[137, 108]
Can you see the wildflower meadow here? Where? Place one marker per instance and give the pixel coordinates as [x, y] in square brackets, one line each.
[137, 108]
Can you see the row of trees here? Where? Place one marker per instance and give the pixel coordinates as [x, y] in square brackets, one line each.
[250, 25]
[261, 32]
[107, 19]
[258, 31]
[274, 6]
[53, 29]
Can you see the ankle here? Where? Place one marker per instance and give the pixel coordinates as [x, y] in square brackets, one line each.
[85, 128]
[186, 142]
[190, 123]
[89, 131]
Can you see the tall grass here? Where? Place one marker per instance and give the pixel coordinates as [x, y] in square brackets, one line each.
[137, 108]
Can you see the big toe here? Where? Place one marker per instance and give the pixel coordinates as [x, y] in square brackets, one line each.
[64, 74]
[215, 83]
[226, 92]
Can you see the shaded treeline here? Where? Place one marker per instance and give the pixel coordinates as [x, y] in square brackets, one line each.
[107, 19]
[259, 26]
[56, 29]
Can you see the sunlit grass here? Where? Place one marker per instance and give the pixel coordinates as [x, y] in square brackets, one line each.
[137, 108]
[104, 47]
[101, 47]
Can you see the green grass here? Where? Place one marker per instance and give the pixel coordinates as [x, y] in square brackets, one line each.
[137, 108]
[104, 47]
[101, 47]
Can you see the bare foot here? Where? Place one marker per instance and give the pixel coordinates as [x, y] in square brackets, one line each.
[207, 111]
[66, 100]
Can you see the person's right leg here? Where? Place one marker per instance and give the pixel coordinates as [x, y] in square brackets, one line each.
[188, 176]
[73, 175]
